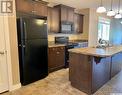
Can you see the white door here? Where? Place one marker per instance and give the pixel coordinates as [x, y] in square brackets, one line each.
[3, 58]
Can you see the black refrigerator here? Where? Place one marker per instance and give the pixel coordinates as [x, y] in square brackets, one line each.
[33, 47]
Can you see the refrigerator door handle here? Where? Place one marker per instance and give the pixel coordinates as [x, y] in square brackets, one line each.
[20, 45]
[25, 30]
[23, 46]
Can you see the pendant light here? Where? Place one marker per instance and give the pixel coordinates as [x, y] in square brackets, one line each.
[101, 8]
[118, 15]
[111, 12]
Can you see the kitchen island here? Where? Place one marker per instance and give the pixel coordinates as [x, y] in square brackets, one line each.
[90, 68]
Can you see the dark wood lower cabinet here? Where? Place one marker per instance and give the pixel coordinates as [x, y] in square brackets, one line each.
[89, 73]
[56, 58]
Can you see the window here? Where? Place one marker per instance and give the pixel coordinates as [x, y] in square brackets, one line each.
[103, 28]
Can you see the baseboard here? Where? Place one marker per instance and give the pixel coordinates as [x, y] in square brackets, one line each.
[14, 87]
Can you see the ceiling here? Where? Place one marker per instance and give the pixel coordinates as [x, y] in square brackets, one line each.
[80, 4]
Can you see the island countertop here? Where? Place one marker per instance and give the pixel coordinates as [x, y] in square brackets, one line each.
[99, 52]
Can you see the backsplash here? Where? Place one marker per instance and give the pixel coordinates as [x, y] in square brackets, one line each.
[51, 37]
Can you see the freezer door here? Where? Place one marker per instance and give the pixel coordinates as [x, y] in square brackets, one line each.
[34, 65]
[32, 28]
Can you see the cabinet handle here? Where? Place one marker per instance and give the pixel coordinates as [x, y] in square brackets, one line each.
[53, 49]
[33, 11]
[58, 52]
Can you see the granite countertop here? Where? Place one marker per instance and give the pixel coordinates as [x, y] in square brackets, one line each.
[99, 52]
[56, 45]
[52, 44]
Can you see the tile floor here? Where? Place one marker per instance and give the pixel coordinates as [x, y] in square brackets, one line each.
[57, 83]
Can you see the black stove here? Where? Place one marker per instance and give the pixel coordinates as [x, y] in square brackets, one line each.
[68, 45]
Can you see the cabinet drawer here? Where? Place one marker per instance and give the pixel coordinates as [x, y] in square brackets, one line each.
[56, 49]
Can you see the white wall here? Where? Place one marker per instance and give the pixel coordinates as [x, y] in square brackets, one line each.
[93, 26]
[116, 32]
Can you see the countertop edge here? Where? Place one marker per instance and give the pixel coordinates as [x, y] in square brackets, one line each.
[107, 52]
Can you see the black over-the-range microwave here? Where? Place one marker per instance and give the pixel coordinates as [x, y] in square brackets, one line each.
[67, 27]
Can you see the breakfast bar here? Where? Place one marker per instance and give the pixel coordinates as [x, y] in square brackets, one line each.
[90, 68]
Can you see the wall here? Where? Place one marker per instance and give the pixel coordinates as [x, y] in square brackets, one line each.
[93, 21]
[14, 50]
[13, 47]
[115, 29]
[51, 37]
[116, 32]
[93, 26]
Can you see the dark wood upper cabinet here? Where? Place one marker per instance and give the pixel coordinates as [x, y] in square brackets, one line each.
[66, 13]
[78, 23]
[24, 6]
[63, 12]
[53, 20]
[58, 14]
[40, 9]
[31, 7]
[70, 14]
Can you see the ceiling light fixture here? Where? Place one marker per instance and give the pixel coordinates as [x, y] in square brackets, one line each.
[101, 8]
[118, 15]
[111, 12]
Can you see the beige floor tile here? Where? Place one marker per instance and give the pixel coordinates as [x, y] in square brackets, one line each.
[57, 83]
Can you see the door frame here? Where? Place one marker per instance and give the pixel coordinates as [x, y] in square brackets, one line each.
[8, 54]
[11, 86]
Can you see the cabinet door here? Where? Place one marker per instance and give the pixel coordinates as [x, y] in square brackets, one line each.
[56, 58]
[78, 23]
[60, 56]
[116, 64]
[52, 62]
[40, 9]
[24, 6]
[55, 20]
[64, 13]
[70, 16]
[49, 19]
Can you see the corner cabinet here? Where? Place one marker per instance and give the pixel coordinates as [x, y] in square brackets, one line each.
[78, 23]
[31, 7]
[56, 58]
